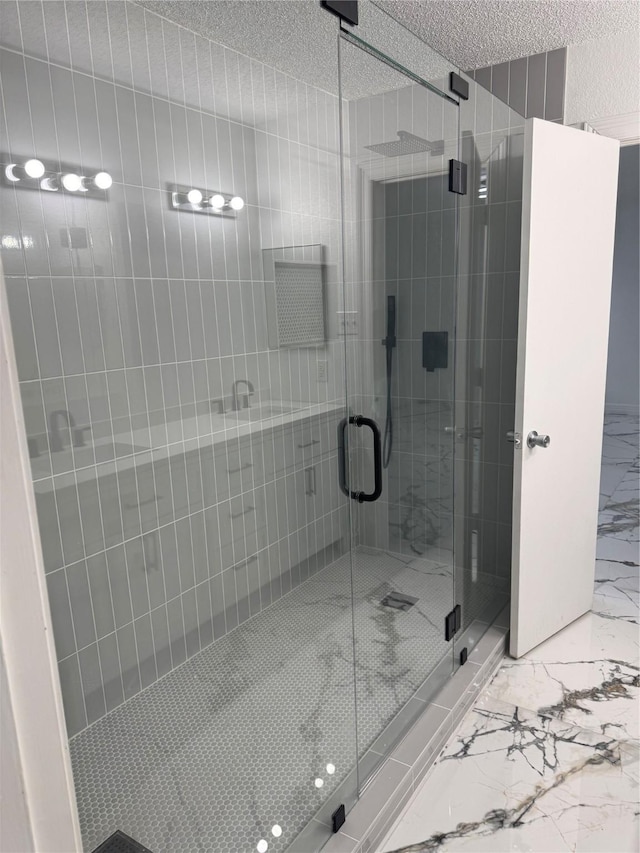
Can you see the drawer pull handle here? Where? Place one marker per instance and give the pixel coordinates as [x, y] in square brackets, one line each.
[241, 468]
[154, 499]
[242, 512]
[311, 480]
[309, 443]
[245, 563]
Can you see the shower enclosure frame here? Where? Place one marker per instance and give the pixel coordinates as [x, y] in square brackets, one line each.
[63, 791]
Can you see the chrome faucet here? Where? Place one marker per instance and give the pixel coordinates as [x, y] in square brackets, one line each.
[235, 397]
[55, 439]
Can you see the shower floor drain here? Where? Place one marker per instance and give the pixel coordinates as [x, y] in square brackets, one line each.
[399, 601]
[121, 843]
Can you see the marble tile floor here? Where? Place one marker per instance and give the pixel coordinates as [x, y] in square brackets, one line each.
[548, 759]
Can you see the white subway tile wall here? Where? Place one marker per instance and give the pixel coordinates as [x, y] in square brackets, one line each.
[130, 318]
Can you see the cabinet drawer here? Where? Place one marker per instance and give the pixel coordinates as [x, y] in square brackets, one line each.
[307, 441]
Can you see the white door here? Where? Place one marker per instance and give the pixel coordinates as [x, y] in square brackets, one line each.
[568, 223]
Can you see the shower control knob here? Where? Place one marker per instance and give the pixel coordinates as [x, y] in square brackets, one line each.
[535, 440]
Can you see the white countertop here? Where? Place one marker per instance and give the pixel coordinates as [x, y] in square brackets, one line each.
[203, 430]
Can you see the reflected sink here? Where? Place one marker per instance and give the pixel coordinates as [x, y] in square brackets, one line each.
[262, 411]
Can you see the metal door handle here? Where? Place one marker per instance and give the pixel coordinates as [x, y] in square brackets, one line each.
[516, 438]
[535, 440]
[360, 421]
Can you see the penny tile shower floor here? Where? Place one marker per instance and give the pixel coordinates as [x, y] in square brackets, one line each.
[231, 742]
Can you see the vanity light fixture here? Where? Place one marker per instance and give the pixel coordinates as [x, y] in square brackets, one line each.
[204, 201]
[33, 174]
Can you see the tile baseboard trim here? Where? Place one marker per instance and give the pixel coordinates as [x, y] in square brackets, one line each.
[621, 409]
[392, 787]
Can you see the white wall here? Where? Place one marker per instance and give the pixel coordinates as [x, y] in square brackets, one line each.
[602, 77]
[15, 827]
[38, 810]
[623, 377]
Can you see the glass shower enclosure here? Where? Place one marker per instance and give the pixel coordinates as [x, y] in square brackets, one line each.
[265, 358]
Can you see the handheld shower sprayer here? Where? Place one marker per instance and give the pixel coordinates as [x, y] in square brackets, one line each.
[389, 343]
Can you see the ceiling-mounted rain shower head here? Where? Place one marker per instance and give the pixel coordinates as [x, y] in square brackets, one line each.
[407, 143]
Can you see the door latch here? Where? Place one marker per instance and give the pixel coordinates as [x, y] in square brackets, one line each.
[516, 438]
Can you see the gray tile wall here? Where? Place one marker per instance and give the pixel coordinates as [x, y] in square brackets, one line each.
[534, 86]
[158, 539]
[403, 244]
[442, 494]
[487, 330]
[420, 493]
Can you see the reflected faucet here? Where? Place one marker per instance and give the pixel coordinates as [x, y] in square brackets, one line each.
[55, 439]
[235, 397]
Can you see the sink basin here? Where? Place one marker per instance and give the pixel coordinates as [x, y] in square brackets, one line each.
[262, 411]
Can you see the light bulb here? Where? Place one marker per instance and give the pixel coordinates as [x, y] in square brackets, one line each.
[49, 184]
[276, 830]
[34, 168]
[236, 203]
[102, 180]
[331, 769]
[319, 783]
[262, 846]
[194, 196]
[10, 174]
[217, 201]
[71, 182]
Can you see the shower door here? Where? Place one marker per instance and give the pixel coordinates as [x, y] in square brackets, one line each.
[166, 284]
[398, 135]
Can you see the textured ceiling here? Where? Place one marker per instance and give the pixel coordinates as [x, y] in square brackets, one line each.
[474, 33]
[265, 30]
[300, 38]
[470, 33]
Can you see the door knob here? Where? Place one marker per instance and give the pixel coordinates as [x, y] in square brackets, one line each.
[535, 440]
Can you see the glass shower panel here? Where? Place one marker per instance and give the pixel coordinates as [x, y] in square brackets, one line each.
[381, 31]
[400, 287]
[182, 384]
[492, 144]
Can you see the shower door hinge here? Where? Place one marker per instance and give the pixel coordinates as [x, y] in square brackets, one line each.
[459, 86]
[338, 817]
[452, 622]
[346, 10]
[457, 177]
